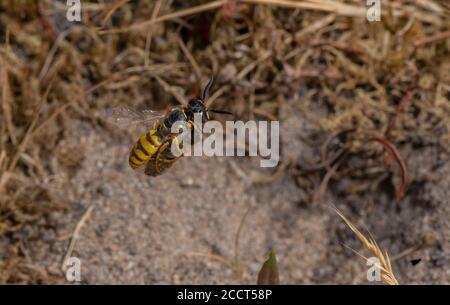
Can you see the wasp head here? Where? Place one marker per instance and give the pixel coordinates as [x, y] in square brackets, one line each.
[197, 107]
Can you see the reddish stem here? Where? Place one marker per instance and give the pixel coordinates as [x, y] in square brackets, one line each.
[47, 24]
[229, 9]
[402, 105]
[398, 158]
[431, 39]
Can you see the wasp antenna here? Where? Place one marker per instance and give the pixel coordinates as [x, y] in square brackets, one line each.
[221, 111]
[207, 88]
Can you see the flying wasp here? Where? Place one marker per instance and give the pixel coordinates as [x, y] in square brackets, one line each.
[153, 148]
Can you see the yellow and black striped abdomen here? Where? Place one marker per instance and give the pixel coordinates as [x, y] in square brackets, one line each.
[144, 149]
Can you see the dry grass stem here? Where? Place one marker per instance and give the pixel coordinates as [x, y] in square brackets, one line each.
[76, 234]
[182, 13]
[387, 274]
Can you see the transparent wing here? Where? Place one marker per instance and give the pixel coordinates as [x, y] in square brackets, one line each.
[125, 117]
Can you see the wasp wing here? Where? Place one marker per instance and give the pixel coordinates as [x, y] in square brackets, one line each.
[125, 117]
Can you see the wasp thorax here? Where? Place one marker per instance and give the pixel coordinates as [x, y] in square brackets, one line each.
[174, 116]
[197, 107]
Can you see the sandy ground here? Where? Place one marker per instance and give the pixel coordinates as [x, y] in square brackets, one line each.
[181, 227]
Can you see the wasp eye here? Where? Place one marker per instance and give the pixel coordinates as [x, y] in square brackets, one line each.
[192, 103]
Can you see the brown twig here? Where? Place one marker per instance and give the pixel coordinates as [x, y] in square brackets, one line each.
[23, 144]
[168, 88]
[111, 11]
[63, 107]
[319, 193]
[7, 101]
[431, 39]
[398, 158]
[148, 39]
[265, 114]
[326, 6]
[170, 16]
[190, 58]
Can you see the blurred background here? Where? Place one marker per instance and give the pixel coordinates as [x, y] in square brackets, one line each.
[364, 113]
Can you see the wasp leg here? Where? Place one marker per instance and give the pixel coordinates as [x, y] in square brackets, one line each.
[161, 149]
[196, 132]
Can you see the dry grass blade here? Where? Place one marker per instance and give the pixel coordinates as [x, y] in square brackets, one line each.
[7, 101]
[63, 107]
[174, 15]
[180, 98]
[76, 234]
[237, 257]
[387, 274]
[111, 11]
[189, 56]
[431, 39]
[23, 144]
[148, 39]
[213, 257]
[327, 6]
